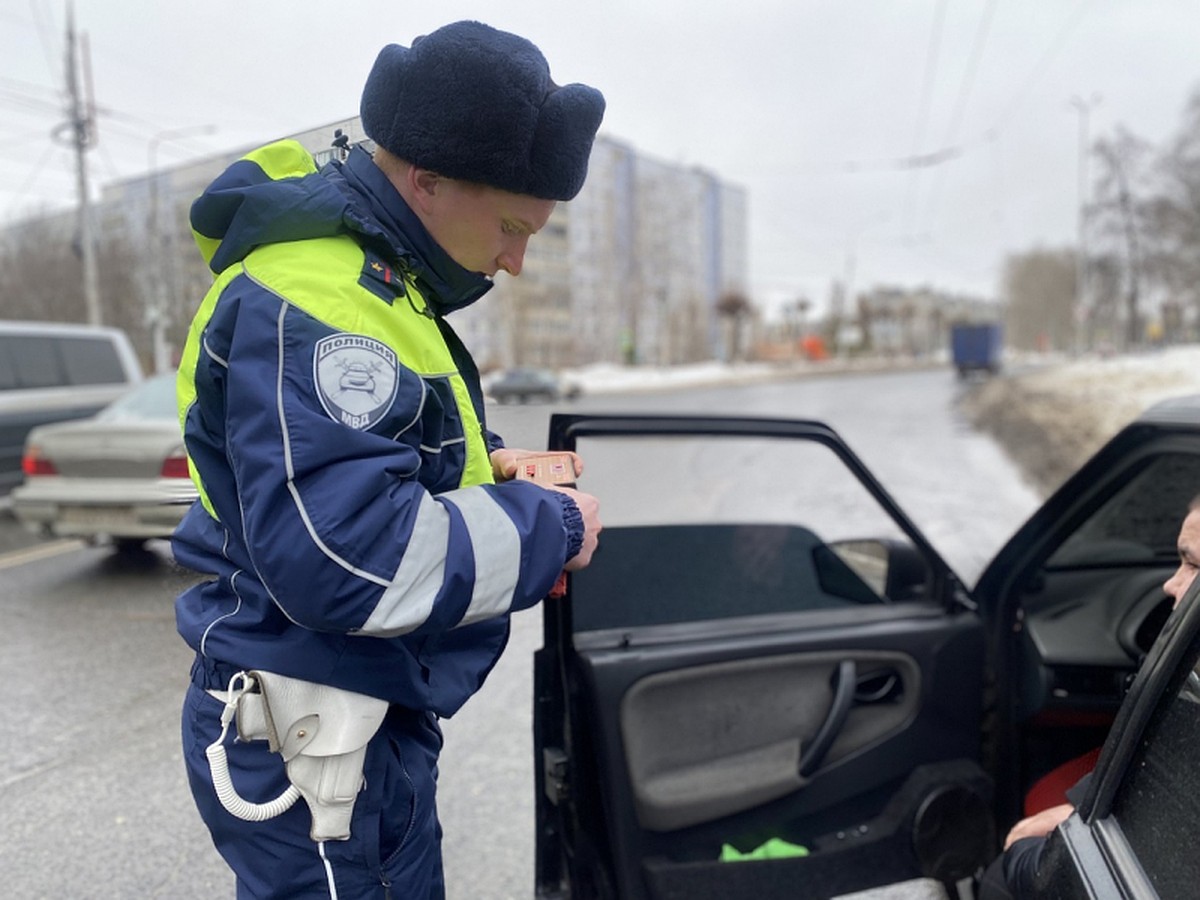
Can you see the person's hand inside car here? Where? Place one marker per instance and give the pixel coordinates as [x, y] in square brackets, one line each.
[1040, 824]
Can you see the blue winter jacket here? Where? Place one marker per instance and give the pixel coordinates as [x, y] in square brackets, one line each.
[335, 427]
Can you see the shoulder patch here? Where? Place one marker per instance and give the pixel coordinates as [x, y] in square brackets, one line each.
[356, 378]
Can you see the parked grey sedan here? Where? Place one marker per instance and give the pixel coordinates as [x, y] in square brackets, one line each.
[120, 475]
[523, 385]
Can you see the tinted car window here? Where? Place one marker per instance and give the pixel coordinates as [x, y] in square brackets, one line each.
[712, 528]
[59, 360]
[91, 361]
[36, 360]
[1140, 522]
[1158, 805]
[8, 368]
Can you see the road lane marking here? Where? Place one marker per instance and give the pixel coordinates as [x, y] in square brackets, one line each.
[40, 551]
[30, 773]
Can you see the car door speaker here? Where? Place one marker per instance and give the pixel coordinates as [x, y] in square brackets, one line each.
[952, 831]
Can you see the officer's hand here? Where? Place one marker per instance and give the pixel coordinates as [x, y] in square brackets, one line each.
[504, 461]
[589, 508]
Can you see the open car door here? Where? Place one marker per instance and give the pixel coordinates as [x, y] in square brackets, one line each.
[1075, 601]
[765, 658]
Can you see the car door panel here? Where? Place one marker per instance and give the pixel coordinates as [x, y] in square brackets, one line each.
[668, 713]
[707, 741]
[692, 699]
[737, 681]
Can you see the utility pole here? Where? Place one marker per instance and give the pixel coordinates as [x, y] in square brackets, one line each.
[1083, 311]
[82, 131]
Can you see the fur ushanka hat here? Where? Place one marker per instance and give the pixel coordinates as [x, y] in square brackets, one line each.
[477, 104]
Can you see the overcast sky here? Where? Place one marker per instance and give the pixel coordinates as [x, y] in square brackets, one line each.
[810, 105]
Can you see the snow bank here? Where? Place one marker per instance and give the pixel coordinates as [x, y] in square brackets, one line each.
[1051, 419]
[606, 378]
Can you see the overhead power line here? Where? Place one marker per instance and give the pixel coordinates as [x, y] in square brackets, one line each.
[931, 59]
[26, 187]
[46, 31]
[29, 88]
[36, 99]
[915, 161]
[1039, 68]
[968, 82]
[945, 154]
[960, 104]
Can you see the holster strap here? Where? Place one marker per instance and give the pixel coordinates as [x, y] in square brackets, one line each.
[296, 716]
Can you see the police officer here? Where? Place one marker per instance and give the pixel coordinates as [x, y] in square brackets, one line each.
[363, 540]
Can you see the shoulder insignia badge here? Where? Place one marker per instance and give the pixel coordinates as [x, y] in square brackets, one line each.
[356, 378]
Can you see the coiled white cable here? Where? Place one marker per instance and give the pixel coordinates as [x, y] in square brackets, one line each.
[218, 765]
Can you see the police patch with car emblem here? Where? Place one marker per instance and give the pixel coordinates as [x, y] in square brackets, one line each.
[356, 378]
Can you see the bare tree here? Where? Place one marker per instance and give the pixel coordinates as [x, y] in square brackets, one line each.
[121, 293]
[40, 273]
[1039, 291]
[1105, 277]
[866, 322]
[41, 278]
[734, 308]
[1173, 223]
[1120, 214]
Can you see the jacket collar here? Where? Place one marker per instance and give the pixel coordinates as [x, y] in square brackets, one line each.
[384, 218]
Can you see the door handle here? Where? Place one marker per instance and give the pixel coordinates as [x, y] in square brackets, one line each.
[879, 686]
[843, 699]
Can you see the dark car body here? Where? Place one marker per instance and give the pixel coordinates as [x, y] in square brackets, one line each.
[782, 655]
[523, 385]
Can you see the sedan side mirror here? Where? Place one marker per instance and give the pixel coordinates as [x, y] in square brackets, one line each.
[892, 568]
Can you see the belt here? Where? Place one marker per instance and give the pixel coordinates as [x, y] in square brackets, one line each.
[213, 674]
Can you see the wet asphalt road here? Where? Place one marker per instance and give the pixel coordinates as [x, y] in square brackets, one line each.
[91, 783]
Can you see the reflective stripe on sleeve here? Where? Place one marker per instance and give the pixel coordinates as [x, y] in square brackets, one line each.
[497, 547]
[408, 600]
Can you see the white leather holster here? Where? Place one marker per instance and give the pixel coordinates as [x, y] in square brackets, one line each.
[322, 733]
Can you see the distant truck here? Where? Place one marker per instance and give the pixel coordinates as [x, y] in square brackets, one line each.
[976, 347]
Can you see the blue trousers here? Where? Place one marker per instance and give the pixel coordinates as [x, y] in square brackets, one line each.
[394, 850]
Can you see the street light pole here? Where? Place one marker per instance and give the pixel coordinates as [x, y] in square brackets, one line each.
[157, 313]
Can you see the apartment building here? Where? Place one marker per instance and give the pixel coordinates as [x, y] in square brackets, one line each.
[629, 271]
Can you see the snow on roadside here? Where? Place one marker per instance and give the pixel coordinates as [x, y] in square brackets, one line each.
[604, 378]
[1053, 418]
